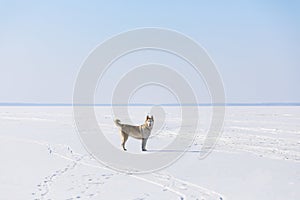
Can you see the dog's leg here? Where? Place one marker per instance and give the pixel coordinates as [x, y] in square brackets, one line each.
[144, 141]
[124, 137]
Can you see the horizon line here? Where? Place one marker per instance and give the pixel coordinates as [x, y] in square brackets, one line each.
[147, 104]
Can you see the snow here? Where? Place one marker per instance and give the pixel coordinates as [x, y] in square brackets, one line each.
[257, 157]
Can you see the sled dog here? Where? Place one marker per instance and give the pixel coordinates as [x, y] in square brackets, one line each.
[141, 132]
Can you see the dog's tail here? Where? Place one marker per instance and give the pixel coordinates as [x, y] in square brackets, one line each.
[117, 122]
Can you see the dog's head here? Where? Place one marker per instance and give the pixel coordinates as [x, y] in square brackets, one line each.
[149, 121]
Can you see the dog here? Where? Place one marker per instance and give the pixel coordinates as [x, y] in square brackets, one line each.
[141, 132]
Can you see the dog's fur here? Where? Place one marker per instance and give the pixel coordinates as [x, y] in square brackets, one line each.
[141, 132]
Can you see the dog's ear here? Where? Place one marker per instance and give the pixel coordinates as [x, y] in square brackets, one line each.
[147, 117]
[152, 117]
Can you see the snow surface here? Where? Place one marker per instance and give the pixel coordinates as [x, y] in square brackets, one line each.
[257, 157]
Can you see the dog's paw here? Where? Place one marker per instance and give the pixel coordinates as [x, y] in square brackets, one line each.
[144, 149]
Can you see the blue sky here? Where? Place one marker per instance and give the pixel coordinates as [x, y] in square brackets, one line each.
[255, 44]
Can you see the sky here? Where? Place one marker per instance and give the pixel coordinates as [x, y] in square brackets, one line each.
[254, 44]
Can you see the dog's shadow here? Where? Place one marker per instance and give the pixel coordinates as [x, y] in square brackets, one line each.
[172, 150]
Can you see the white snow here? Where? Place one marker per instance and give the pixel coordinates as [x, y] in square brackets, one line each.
[257, 157]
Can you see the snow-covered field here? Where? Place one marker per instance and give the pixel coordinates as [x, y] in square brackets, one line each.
[257, 157]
